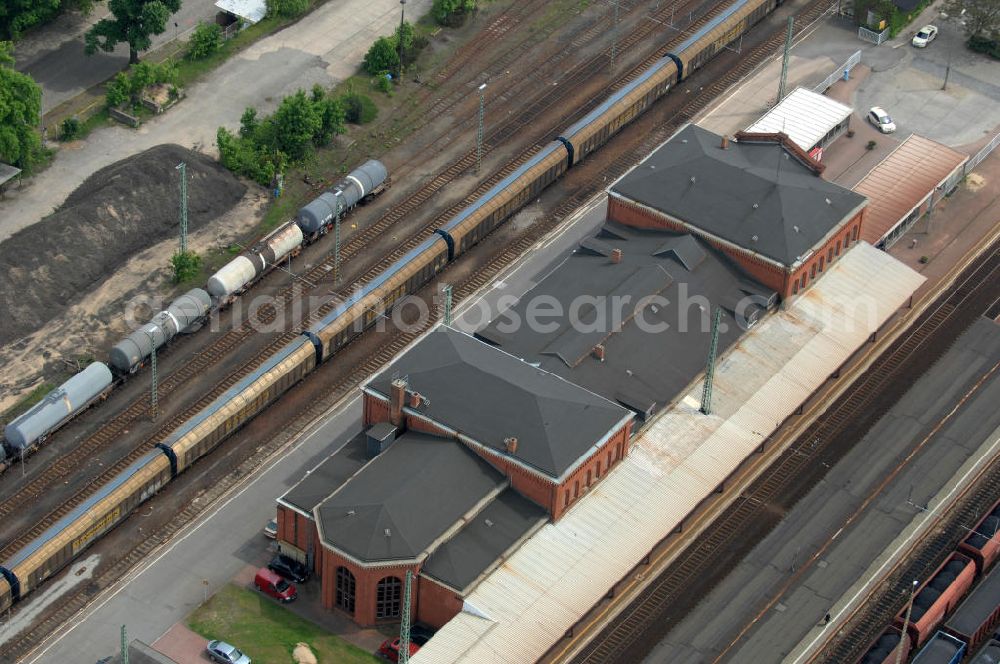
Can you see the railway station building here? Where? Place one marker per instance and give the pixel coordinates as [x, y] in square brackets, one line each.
[638, 314]
[759, 199]
[467, 451]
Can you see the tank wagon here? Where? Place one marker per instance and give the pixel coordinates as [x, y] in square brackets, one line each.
[243, 271]
[59, 406]
[363, 183]
[131, 352]
[311, 222]
[983, 543]
[209, 426]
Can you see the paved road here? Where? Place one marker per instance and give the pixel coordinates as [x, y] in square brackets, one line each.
[223, 542]
[54, 54]
[326, 47]
[717, 620]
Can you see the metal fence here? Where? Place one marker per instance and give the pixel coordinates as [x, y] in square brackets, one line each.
[841, 72]
[982, 154]
[872, 36]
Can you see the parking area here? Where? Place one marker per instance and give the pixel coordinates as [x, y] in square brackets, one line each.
[183, 644]
[908, 82]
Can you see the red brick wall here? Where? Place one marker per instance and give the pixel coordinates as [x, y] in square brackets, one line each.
[423, 426]
[366, 583]
[767, 273]
[590, 473]
[376, 410]
[825, 256]
[436, 604]
[299, 531]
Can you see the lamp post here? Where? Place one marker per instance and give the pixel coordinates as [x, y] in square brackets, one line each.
[906, 621]
[402, 14]
[479, 131]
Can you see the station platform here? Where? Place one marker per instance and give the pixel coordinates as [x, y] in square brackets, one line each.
[527, 604]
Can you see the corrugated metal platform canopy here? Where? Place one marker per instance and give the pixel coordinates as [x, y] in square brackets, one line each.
[249, 10]
[805, 116]
[898, 186]
[527, 604]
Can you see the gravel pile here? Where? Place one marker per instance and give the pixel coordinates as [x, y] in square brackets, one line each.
[117, 212]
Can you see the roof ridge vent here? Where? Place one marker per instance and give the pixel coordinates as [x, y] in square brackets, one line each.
[828, 202]
[388, 533]
[755, 238]
[350, 512]
[755, 206]
[489, 523]
[795, 228]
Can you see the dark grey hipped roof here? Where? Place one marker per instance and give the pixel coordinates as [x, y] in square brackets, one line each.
[490, 396]
[405, 499]
[744, 192]
[462, 559]
[643, 369]
[328, 476]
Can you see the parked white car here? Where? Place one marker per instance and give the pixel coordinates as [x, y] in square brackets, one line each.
[924, 36]
[878, 117]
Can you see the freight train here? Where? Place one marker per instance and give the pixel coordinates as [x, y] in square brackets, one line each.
[97, 380]
[941, 626]
[54, 548]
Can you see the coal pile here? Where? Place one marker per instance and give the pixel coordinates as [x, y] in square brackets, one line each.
[116, 213]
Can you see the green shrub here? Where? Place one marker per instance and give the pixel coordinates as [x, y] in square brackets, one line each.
[359, 108]
[990, 47]
[127, 87]
[206, 40]
[382, 56]
[69, 129]
[286, 8]
[383, 84]
[119, 90]
[451, 12]
[186, 266]
[265, 146]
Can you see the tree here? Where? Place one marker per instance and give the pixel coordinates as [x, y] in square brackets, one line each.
[296, 122]
[981, 17]
[206, 40]
[382, 56]
[20, 110]
[134, 22]
[451, 12]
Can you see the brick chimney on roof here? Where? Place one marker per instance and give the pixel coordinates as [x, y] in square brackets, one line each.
[725, 143]
[510, 444]
[415, 399]
[599, 352]
[397, 397]
[616, 256]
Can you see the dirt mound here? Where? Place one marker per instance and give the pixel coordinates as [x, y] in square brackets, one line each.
[117, 212]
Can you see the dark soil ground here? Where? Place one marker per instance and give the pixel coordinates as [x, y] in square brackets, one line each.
[117, 212]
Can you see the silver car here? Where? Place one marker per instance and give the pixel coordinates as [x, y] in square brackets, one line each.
[224, 653]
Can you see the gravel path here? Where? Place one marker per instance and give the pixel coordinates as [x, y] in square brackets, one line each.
[324, 47]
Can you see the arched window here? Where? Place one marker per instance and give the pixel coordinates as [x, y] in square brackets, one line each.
[387, 598]
[345, 589]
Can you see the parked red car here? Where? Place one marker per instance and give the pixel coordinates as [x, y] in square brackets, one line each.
[389, 649]
[274, 586]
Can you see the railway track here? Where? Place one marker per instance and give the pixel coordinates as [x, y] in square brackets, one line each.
[891, 596]
[782, 483]
[220, 348]
[394, 342]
